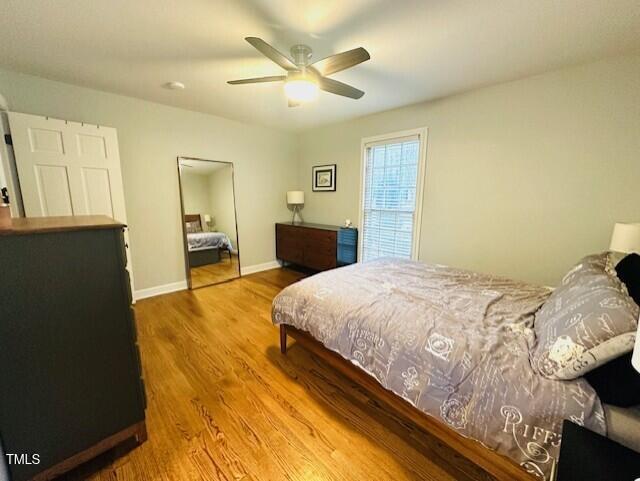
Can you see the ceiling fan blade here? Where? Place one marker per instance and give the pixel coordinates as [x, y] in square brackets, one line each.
[339, 88]
[268, 51]
[273, 78]
[341, 61]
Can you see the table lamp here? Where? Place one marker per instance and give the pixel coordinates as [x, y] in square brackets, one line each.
[207, 221]
[625, 238]
[296, 199]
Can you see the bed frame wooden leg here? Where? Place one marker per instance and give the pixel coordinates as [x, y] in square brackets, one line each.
[283, 339]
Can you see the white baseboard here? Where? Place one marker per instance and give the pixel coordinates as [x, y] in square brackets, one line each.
[182, 285]
[158, 290]
[259, 267]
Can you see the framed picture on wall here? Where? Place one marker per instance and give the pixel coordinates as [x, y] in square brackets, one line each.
[324, 178]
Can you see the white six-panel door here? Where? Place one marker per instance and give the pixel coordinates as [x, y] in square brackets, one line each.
[68, 168]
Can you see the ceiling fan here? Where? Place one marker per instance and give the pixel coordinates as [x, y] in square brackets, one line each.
[303, 79]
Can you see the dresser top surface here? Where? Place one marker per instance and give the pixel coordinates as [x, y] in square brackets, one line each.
[35, 225]
[310, 225]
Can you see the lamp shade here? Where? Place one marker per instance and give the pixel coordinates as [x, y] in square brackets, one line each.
[295, 197]
[207, 218]
[625, 238]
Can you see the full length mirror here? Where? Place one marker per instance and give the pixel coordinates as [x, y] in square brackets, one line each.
[208, 221]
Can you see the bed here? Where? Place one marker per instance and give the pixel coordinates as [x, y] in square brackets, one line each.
[448, 348]
[204, 247]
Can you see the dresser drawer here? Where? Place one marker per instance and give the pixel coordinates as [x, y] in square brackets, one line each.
[143, 392]
[128, 286]
[319, 238]
[290, 240]
[133, 325]
[290, 250]
[288, 231]
[309, 245]
[319, 260]
[320, 248]
[123, 248]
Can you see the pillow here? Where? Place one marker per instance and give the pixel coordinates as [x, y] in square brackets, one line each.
[616, 382]
[593, 264]
[588, 320]
[193, 227]
[628, 270]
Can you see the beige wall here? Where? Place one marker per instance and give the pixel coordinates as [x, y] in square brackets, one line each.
[195, 193]
[151, 137]
[522, 178]
[220, 184]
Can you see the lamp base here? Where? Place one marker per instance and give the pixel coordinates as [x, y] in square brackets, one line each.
[295, 211]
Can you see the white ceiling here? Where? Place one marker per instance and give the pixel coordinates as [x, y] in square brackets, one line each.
[420, 49]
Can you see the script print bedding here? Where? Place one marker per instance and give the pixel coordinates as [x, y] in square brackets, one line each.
[207, 240]
[455, 344]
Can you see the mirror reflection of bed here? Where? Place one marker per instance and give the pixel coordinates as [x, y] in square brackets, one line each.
[209, 221]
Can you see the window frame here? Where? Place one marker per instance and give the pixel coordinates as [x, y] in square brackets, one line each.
[367, 142]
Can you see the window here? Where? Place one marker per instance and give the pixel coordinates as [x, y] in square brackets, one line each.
[392, 175]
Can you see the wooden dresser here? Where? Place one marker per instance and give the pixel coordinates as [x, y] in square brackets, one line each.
[70, 376]
[315, 246]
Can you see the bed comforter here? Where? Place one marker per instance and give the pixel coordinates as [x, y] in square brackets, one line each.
[208, 240]
[455, 344]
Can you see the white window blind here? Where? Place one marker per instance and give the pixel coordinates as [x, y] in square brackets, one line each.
[390, 187]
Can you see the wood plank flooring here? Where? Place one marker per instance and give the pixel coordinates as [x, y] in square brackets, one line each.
[224, 404]
[222, 271]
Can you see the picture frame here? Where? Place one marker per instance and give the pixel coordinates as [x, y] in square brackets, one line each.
[323, 178]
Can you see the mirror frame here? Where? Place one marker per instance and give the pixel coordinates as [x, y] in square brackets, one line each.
[184, 227]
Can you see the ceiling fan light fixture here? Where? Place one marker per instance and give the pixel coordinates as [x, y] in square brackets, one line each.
[301, 90]
[304, 79]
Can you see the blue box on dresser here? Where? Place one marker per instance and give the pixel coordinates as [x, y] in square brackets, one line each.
[347, 246]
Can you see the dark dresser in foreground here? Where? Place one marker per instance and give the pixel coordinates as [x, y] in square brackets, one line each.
[316, 246]
[70, 377]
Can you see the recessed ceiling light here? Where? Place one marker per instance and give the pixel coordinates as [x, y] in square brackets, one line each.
[174, 85]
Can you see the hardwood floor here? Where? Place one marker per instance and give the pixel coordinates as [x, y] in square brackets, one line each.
[222, 271]
[224, 404]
